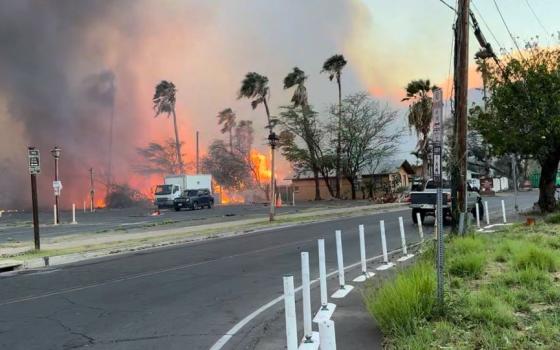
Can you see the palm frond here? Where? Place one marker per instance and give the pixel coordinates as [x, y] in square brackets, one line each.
[164, 98]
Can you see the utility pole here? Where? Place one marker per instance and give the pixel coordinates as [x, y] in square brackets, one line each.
[461, 89]
[91, 190]
[56, 184]
[197, 155]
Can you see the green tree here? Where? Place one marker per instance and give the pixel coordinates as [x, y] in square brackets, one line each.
[523, 114]
[303, 125]
[227, 118]
[333, 67]
[420, 116]
[164, 102]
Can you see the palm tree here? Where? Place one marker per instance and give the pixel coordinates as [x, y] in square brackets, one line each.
[297, 78]
[255, 87]
[333, 66]
[420, 115]
[164, 102]
[227, 118]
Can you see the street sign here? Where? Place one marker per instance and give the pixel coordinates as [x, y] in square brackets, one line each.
[57, 186]
[34, 161]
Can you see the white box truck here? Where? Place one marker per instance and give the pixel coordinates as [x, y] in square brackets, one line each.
[174, 185]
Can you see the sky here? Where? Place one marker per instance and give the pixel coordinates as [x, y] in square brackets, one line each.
[58, 56]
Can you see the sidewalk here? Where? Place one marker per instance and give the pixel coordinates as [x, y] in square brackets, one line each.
[76, 247]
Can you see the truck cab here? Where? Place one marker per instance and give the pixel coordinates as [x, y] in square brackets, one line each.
[166, 194]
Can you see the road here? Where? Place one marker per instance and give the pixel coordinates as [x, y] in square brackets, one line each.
[180, 297]
[18, 226]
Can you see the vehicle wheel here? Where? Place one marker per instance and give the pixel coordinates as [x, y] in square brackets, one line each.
[210, 204]
[177, 209]
[195, 206]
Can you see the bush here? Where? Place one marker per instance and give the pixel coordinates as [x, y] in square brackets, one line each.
[532, 256]
[553, 219]
[399, 305]
[469, 265]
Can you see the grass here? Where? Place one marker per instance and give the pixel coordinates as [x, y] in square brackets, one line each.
[552, 218]
[502, 292]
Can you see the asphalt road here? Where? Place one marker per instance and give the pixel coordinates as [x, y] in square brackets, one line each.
[180, 297]
[18, 226]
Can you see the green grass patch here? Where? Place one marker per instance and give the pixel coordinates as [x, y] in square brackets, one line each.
[401, 303]
[502, 292]
[552, 218]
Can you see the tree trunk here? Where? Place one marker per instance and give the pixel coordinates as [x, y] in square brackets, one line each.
[338, 146]
[317, 184]
[352, 181]
[547, 185]
[177, 143]
[230, 142]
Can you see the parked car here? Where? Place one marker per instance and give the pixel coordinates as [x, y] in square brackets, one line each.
[424, 202]
[194, 199]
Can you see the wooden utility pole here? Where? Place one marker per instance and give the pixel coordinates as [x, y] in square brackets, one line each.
[461, 89]
[197, 155]
[91, 191]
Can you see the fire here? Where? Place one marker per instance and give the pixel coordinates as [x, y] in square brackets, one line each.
[260, 166]
[231, 198]
[100, 203]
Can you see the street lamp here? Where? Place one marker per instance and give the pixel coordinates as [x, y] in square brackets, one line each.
[56, 154]
[272, 141]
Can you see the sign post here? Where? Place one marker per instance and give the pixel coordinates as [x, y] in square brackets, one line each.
[437, 136]
[34, 169]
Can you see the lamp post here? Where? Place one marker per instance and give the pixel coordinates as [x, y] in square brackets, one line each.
[272, 141]
[56, 154]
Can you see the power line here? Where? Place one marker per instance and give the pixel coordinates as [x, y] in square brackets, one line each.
[538, 19]
[446, 4]
[507, 28]
[487, 26]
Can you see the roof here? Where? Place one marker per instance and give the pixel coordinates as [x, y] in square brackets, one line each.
[388, 167]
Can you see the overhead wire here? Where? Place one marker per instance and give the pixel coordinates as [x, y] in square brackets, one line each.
[479, 13]
[507, 28]
[538, 19]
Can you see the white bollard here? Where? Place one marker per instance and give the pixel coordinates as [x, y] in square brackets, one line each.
[477, 208]
[420, 228]
[344, 288]
[386, 264]
[504, 211]
[326, 310]
[405, 256]
[306, 293]
[290, 313]
[327, 335]
[55, 221]
[74, 214]
[365, 274]
[487, 212]
[294, 197]
[84, 206]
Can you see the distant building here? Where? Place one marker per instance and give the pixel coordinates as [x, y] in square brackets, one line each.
[387, 178]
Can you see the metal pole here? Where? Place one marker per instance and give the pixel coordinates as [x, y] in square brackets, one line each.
[197, 155]
[383, 242]
[363, 249]
[306, 292]
[504, 211]
[477, 208]
[487, 212]
[74, 213]
[36, 235]
[290, 313]
[57, 216]
[272, 183]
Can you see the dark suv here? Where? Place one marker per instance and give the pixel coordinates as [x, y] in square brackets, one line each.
[194, 199]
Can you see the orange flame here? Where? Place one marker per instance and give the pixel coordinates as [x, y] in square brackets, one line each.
[261, 166]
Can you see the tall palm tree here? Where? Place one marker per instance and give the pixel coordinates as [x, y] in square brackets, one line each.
[227, 118]
[164, 102]
[255, 87]
[297, 78]
[333, 66]
[420, 115]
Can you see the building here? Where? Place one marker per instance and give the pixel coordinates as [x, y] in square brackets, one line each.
[389, 177]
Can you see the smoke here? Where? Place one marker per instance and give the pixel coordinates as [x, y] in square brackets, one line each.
[69, 67]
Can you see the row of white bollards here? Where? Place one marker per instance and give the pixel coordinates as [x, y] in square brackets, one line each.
[325, 339]
[487, 213]
[55, 218]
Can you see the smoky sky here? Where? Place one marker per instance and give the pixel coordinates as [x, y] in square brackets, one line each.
[67, 65]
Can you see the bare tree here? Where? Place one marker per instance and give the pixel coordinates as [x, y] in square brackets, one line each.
[159, 158]
[226, 118]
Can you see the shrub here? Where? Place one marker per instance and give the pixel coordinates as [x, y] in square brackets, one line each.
[553, 219]
[469, 265]
[400, 304]
[532, 256]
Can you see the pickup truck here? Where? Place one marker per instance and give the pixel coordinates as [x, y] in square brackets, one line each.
[193, 199]
[424, 202]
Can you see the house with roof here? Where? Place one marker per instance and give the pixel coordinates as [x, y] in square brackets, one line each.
[386, 178]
